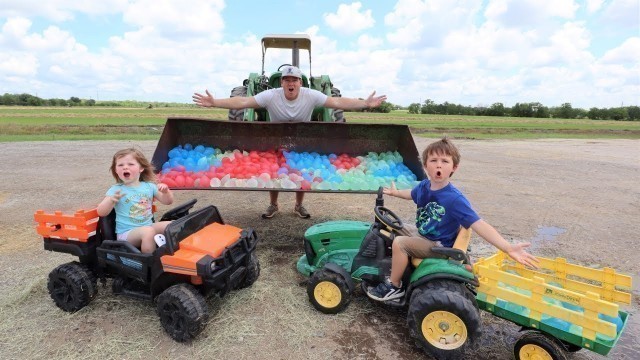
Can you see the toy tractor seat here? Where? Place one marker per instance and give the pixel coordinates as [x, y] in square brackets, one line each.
[458, 252]
[108, 237]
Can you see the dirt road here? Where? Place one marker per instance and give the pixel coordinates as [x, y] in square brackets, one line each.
[578, 199]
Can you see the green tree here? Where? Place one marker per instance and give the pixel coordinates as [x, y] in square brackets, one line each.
[633, 112]
[414, 108]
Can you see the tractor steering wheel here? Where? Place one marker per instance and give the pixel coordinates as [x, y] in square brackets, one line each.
[283, 65]
[388, 218]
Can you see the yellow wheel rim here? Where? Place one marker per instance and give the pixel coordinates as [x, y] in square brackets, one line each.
[444, 330]
[327, 294]
[534, 352]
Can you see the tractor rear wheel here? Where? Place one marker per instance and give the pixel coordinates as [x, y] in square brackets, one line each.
[328, 291]
[252, 272]
[237, 115]
[536, 345]
[72, 286]
[443, 321]
[183, 312]
[338, 114]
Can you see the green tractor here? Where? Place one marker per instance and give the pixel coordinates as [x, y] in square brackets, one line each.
[442, 313]
[257, 83]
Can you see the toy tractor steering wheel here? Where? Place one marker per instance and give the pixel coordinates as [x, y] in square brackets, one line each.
[388, 218]
[283, 65]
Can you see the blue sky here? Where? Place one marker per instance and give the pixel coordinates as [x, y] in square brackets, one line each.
[470, 52]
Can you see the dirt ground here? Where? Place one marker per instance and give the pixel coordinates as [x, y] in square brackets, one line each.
[578, 199]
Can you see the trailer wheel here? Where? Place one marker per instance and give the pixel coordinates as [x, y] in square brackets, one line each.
[237, 115]
[252, 272]
[338, 114]
[328, 291]
[444, 323]
[72, 286]
[536, 345]
[183, 312]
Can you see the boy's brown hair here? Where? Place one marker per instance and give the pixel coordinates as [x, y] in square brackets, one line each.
[147, 174]
[443, 146]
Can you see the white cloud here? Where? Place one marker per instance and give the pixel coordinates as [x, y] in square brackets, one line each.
[594, 5]
[520, 13]
[623, 13]
[59, 10]
[349, 19]
[627, 53]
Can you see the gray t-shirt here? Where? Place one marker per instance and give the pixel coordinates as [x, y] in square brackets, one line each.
[282, 110]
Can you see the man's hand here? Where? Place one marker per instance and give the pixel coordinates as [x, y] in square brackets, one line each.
[375, 101]
[203, 100]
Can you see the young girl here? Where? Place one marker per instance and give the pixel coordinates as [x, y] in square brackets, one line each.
[132, 197]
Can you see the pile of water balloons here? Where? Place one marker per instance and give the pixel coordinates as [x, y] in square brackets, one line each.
[205, 167]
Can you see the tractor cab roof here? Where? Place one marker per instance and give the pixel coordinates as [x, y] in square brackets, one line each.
[295, 42]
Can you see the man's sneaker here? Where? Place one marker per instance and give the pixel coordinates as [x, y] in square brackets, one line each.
[385, 291]
[301, 211]
[271, 210]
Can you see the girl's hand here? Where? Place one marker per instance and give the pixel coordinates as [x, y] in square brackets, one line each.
[116, 197]
[163, 188]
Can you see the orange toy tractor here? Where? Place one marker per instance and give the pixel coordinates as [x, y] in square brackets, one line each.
[202, 256]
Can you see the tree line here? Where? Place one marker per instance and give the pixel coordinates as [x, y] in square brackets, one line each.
[532, 110]
[30, 100]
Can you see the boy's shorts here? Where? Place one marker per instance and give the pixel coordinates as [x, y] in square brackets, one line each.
[415, 245]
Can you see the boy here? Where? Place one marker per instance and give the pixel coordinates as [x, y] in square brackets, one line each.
[442, 209]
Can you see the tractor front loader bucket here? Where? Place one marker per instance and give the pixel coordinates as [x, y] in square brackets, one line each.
[320, 137]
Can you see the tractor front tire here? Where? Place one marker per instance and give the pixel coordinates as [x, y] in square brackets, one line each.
[72, 286]
[237, 115]
[252, 272]
[536, 345]
[328, 291]
[444, 323]
[183, 312]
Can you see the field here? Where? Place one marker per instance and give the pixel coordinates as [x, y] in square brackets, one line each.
[99, 123]
[575, 198]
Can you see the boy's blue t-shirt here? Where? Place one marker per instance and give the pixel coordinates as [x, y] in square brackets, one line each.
[441, 212]
[135, 206]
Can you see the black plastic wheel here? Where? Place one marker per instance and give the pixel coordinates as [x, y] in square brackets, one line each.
[237, 115]
[72, 286]
[328, 291]
[536, 345]
[183, 312]
[443, 321]
[253, 271]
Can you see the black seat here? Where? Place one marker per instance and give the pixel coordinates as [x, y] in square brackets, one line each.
[108, 239]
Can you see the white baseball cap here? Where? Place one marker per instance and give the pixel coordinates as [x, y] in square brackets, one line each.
[291, 71]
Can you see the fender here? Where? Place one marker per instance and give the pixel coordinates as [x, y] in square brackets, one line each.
[335, 268]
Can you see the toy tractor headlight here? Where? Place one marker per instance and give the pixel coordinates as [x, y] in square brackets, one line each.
[212, 266]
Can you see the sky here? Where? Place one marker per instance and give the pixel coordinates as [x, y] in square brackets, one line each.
[469, 52]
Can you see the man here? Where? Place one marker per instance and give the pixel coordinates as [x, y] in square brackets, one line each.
[291, 102]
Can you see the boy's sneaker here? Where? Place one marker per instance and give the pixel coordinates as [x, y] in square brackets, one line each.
[385, 291]
[301, 211]
[271, 210]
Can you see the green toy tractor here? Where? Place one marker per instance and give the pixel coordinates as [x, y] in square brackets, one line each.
[257, 83]
[442, 312]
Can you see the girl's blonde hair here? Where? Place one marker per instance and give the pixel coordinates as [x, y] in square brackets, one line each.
[443, 146]
[147, 174]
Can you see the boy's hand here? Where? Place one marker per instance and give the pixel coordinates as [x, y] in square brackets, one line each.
[163, 188]
[390, 191]
[518, 253]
